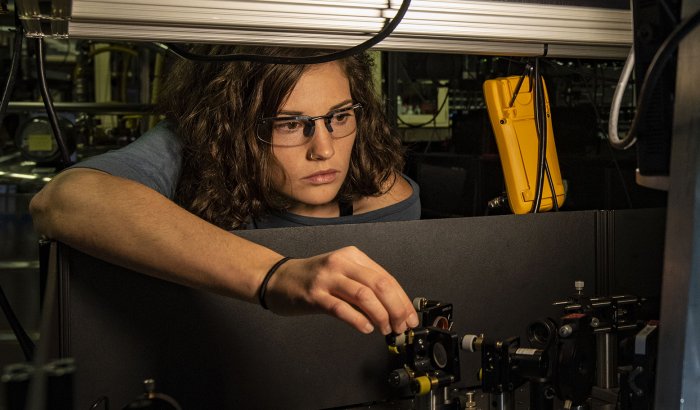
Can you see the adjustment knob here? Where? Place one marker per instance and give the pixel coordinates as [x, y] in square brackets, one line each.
[399, 378]
[468, 342]
[419, 303]
[421, 385]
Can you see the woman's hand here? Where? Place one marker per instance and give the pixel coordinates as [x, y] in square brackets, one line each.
[346, 284]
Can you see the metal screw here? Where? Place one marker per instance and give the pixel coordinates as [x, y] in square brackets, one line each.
[566, 331]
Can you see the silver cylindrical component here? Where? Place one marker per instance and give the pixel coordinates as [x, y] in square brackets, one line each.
[419, 303]
[469, 343]
[427, 401]
[606, 363]
[502, 401]
[447, 395]
[471, 403]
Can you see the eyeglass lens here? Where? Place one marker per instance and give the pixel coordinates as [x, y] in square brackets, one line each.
[292, 131]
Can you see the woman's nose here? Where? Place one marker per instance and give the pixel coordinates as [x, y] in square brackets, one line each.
[321, 144]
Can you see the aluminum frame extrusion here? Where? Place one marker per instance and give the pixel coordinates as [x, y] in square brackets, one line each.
[451, 26]
[32, 18]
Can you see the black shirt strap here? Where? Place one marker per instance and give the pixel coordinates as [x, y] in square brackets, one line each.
[345, 208]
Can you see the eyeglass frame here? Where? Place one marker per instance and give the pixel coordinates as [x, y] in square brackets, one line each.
[309, 123]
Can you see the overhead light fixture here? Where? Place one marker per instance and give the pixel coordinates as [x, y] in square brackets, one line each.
[452, 26]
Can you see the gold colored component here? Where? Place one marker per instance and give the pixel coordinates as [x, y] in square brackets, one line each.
[393, 349]
[478, 342]
[424, 385]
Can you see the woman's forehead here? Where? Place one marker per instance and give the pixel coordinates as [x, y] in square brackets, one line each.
[320, 88]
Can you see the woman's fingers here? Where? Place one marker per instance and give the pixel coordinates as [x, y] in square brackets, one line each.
[346, 284]
[344, 311]
[401, 313]
[365, 300]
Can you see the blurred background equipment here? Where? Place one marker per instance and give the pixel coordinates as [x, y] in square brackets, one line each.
[36, 141]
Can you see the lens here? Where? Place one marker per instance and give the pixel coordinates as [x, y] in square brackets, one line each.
[541, 333]
[298, 130]
[439, 355]
[263, 131]
[343, 124]
[282, 133]
[289, 132]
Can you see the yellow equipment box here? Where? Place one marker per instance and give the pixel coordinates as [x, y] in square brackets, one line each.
[517, 141]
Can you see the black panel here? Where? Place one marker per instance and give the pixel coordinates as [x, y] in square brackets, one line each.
[637, 252]
[208, 352]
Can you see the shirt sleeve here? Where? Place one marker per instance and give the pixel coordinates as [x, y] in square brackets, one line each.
[154, 160]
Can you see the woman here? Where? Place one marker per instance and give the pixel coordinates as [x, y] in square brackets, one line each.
[248, 145]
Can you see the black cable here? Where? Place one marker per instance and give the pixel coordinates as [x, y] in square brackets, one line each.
[543, 126]
[325, 58]
[655, 69]
[541, 134]
[541, 129]
[555, 202]
[48, 103]
[25, 342]
[14, 67]
[528, 69]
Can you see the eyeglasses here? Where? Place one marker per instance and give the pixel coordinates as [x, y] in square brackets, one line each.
[297, 130]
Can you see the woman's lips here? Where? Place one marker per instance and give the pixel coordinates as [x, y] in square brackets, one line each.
[322, 177]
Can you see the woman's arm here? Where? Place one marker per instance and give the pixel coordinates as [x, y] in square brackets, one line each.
[128, 224]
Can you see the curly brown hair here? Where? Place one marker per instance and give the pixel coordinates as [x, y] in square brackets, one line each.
[226, 175]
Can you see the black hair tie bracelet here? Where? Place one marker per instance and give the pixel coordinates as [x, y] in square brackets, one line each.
[263, 286]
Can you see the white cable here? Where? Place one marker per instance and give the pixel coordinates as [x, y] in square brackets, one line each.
[615, 140]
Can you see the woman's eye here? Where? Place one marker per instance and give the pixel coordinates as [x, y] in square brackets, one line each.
[341, 117]
[288, 126]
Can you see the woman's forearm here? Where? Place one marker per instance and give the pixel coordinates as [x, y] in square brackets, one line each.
[128, 224]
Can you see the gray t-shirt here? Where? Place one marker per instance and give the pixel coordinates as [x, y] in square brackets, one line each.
[155, 160]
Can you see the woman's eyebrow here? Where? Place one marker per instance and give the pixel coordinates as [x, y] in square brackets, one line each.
[334, 107]
[289, 113]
